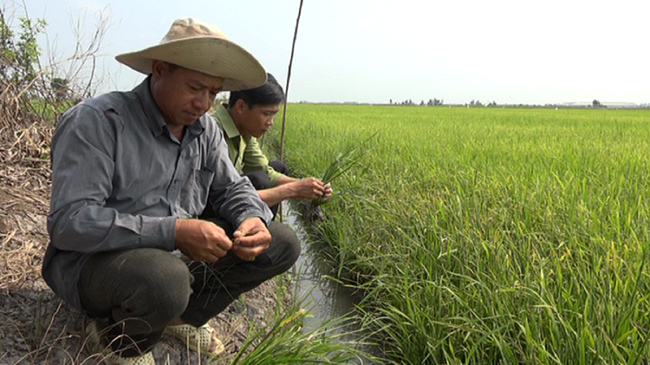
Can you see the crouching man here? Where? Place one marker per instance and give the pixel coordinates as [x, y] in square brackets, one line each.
[130, 173]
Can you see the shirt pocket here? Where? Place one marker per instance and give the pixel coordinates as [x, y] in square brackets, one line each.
[194, 194]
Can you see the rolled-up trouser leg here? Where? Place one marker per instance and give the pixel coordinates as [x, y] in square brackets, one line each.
[140, 291]
[219, 284]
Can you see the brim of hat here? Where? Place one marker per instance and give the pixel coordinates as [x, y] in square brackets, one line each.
[211, 55]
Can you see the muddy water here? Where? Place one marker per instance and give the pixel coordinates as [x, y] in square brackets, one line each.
[324, 297]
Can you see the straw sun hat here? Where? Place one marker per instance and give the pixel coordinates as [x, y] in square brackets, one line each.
[199, 46]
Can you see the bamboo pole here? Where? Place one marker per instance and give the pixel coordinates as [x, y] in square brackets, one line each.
[286, 89]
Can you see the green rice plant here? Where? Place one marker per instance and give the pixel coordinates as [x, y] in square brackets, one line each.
[492, 235]
[286, 342]
[348, 158]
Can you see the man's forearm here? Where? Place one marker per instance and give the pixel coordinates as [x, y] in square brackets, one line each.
[277, 194]
[287, 188]
[282, 180]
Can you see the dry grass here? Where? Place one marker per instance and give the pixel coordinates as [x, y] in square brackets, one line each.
[24, 195]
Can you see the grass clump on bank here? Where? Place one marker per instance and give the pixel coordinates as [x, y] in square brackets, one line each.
[492, 235]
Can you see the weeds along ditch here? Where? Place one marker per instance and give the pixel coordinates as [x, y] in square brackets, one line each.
[489, 235]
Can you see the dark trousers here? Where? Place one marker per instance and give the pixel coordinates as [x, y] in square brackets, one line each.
[261, 181]
[141, 291]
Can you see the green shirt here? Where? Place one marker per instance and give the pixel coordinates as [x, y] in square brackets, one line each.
[244, 151]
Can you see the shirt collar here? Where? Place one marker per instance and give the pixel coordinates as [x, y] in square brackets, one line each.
[155, 119]
[226, 122]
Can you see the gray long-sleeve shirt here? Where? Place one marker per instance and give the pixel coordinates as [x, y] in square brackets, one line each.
[120, 179]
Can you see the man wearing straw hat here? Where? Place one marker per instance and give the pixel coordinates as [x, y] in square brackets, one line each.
[130, 171]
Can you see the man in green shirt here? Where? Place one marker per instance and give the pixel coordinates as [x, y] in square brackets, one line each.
[247, 116]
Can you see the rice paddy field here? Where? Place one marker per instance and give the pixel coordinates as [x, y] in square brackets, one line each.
[489, 235]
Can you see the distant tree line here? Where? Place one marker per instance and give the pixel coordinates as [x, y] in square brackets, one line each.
[431, 102]
[440, 102]
[477, 103]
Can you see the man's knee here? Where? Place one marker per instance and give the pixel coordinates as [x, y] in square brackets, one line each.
[259, 179]
[169, 288]
[149, 284]
[280, 166]
[286, 242]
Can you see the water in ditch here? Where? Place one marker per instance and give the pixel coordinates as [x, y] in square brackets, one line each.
[325, 298]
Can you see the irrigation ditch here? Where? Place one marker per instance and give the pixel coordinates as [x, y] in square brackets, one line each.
[327, 299]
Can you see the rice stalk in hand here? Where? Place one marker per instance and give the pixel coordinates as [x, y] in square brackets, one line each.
[344, 161]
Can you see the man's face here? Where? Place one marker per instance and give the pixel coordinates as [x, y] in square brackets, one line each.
[183, 95]
[257, 120]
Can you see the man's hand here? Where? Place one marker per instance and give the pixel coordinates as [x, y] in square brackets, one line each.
[201, 240]
[311, 188]
[251, 239]
[327, 191]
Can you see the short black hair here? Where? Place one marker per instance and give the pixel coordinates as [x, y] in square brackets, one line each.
[270, 93]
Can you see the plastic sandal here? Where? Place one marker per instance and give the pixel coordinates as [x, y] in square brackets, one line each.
[93, 334]
[199, 339]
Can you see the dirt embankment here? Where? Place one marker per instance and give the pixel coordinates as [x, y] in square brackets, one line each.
[35, 326]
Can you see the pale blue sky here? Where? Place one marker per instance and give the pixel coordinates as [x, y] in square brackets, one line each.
[509, 51]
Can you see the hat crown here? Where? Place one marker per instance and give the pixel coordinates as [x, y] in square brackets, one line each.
[202, 47]
[185, 28]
